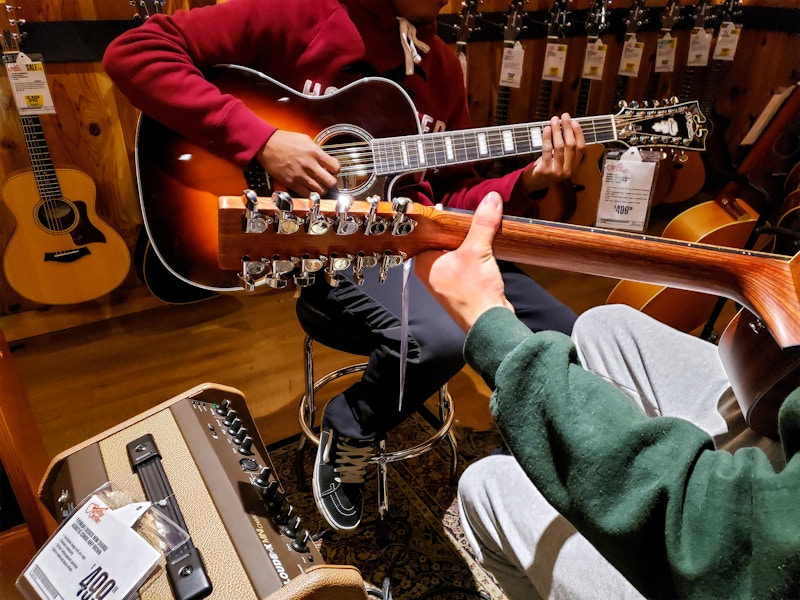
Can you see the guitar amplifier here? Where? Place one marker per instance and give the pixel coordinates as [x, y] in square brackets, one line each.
[251, 542]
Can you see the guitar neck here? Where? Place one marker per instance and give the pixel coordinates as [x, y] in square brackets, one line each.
[43, 170]
[431, 150]
[764, 283]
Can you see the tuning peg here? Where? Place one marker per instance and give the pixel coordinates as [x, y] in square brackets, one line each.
[286, 222]
[622, 104]
[373, 224]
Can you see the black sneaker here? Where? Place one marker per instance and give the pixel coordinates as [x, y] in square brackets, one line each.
[338, 478]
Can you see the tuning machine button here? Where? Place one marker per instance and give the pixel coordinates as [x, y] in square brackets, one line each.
[285, 221]
[401, 223]
[373, 224]
[254, 221]
[316, 222]
[346, 224]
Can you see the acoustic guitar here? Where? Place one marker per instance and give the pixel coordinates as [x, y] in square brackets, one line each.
[561, 200]
[686, 172]
[588, 180]
[371, 126]
[61, 252]
[635, 18]
[303, 239]
[511, 32]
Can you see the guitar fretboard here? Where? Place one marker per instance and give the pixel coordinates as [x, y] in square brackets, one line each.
[418, 152]
[43, 170]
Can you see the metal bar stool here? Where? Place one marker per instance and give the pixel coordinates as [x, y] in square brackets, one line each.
[308, 408]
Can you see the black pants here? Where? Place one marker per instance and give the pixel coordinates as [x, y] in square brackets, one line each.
[372, 312]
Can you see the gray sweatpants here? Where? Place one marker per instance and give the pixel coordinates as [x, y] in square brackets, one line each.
[532, 551]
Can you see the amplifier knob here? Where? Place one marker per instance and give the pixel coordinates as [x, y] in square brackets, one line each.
[300, 541]
[234, 426]
[292, 527]
[222, 409]
[240, 435]
[263, 478]
[229, 417]
[247, 443]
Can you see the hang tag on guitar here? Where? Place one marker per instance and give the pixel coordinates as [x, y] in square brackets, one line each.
[665, 54]
[699, 48]
[627, 189]
[595, 60]
[29, 86]
[511, 69]
[555, 59]
[632, 52]
[728, 39]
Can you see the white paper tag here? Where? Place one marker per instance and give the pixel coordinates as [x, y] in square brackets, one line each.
[94, 555]
[728, 39]
[511, 68]
[699, 47]
[554, 61]
[625, 192]
[665, 54]
[462, 58]
[632, 52]
[29, 86]
[595, 60]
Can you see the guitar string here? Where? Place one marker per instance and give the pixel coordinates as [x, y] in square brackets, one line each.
[44, 174]
[353, 153]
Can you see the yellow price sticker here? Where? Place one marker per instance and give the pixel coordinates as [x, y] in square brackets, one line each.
[34, 101]
[37, 66]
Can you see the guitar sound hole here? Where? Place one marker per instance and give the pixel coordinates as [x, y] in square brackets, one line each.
[350, 146]
[56, 215]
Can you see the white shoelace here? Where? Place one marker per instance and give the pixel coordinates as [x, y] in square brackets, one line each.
[351, 462]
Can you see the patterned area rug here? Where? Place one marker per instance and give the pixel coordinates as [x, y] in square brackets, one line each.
[420, 548]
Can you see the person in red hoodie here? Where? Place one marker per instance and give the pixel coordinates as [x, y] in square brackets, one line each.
[319, 48]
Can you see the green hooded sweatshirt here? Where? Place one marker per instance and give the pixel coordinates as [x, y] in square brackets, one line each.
[676, 517]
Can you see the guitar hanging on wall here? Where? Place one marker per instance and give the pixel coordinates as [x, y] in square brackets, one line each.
[511, 32]
[61, 252]
[588, 180]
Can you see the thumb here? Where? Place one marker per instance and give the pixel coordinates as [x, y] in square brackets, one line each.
[485, 223]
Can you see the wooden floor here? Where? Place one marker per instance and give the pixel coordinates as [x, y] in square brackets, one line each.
[82, 380]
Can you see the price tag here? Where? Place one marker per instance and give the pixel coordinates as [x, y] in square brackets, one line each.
[728, 39]
[555, 58]
[511, 68]
[626, 190]
[665, 54]
[631, 57]
[595, 60]
[94, 555]
[29, 86]
[699, 47]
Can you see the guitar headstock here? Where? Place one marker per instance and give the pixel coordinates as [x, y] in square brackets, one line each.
[269, 241]
[557, 21]
[676, 126]
[671, 15]
[466, 22]
[147, 8]
[635, 17]
[596, 19]
[730, 10]
[702, 14]
[513, 25]
[11, 34]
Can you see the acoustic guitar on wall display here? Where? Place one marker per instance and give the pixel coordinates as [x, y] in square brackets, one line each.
[588, 180]
[61, 252]
[371, 126]
[305, 239]
[686, 171]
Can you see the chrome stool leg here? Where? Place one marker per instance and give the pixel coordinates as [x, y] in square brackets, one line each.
[307, 416]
